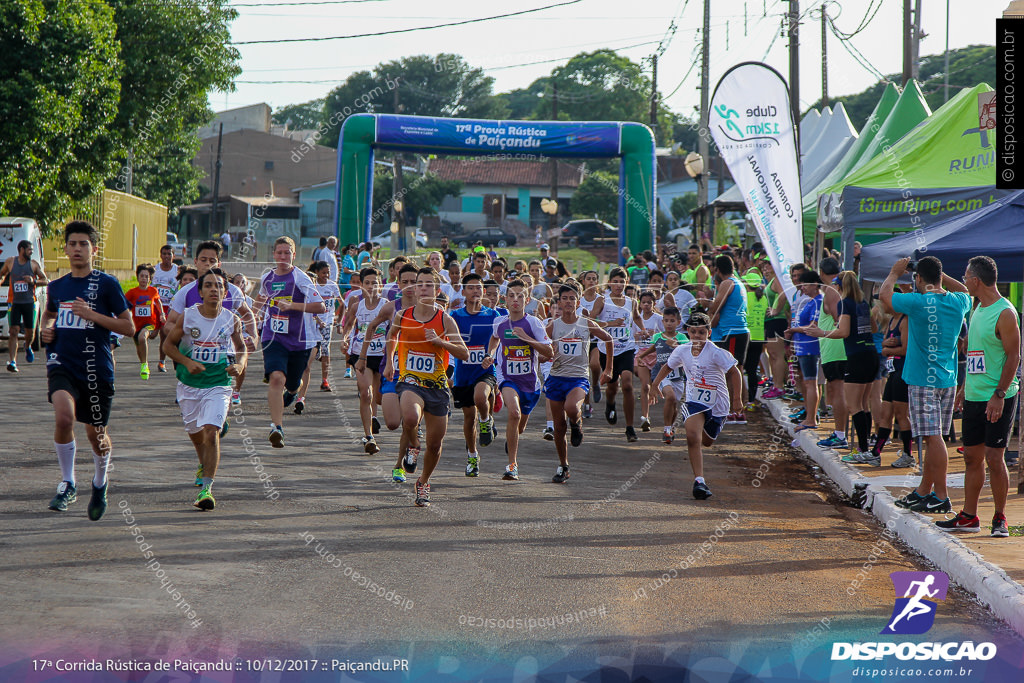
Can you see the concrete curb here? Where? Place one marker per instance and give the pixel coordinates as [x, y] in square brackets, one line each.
[991, 585]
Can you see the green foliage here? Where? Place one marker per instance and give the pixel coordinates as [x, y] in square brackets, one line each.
[443, 85]
[423, 194]
[597, 195]
[664, 224]
[304, 116]
[683, 205]
[58, 95]
[523, 103]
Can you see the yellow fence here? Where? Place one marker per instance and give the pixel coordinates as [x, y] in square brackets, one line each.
[132, 230]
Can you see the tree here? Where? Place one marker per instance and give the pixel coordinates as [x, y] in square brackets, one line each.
[443, 85]
[304, 116]
[164, 101]
[423, 194]
[683, 206]
[58, 95]
[522, 103]
[597, 195]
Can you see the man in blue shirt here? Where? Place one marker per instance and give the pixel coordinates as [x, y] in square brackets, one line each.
[935, 313]
[82, 309]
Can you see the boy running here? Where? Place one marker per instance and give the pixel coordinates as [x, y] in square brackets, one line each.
[331, 294]
[203, 343]
[165, 279]
[361, 312]
[712, 377]
[82, 309]
[673, 387]
[147, 314]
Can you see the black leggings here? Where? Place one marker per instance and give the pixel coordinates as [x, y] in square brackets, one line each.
[750, 365]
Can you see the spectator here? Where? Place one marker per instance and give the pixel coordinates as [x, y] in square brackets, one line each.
[728, 313]
[833, 354]
[317, 253]
[329, 254]
[935, 314]
[365, 257]
[225, 239]
[805, 347]
[348, 266]
[544, 253]
[446, 252]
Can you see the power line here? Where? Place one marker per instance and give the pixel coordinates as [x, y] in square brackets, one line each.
[410, 30]
[313, 2]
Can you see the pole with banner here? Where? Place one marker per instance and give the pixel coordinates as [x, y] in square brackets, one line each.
[752, 124]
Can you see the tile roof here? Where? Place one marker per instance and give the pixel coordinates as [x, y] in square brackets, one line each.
[504, 172]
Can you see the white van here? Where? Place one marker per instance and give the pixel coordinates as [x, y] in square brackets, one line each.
[12, 231]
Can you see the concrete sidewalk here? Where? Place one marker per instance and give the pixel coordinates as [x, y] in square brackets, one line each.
[990, 568]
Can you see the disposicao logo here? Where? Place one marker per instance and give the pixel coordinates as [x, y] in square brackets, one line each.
[916, 596]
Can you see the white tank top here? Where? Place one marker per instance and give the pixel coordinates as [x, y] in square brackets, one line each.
[166, 283]
[622, 335]
[365, 316]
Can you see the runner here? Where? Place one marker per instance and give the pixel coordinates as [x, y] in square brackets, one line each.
[523, 343]
[775, 323]
[591, 294]
[324, 323]
[673, 386]
[473, 388]
[285, 295]
[208, 350]
[989, 397]
[420, 338]
[642, 367]
[147, 314]
[712, 377]
[728, 313]
[805, 347]
[25, 275]
[239, 280]
[82, 309]
[208, 256]
[619, 315]
[165, 279]
[362, 311]
[567, 384]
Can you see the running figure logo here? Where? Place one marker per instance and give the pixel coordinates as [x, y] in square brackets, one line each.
[916, 596]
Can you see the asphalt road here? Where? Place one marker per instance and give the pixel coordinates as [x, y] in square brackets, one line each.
[770, 568]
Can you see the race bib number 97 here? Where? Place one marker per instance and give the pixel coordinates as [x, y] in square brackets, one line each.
[571, 347]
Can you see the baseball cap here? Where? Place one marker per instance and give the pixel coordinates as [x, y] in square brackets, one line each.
[753, 279]
[479, 250]
[545, 246]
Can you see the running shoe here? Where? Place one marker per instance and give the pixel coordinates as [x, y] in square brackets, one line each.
[852, 456]
[962, 523]
[409, 463]
[511, 473]
[798, 415]
[236, 400]
[631, 435]
[645, 424]
[144, 370]
[370, 445]
[774, 392]
[609, 414]
[561, 474]
[834, 442]
[750, 407]
[793, 396]
[289, 398]
[422, 494]
[374, 425]
[12, 366]
[224, 429]
[932, 504]
[300, 405]
[549, 434]
[199, 476]
[348, 375]
[30, 355]
[472, 466]
[66, 494]
[576, 434]
[669, 435]
[739, 419]
[588, 411]
[912, 498]
[486, 430]
[277, 437]
[999, 527]
[904, 460]
[398, 474]
[868, 458]
[160, 367]
[325, 386]
[701, 491]
[98, 502]
[595, 396]
[205, 501]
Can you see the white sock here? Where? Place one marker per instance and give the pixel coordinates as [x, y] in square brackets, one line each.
[841, 435]
[699, 480]
[66, 458]
[99, 480]
[471, 454]
[484, 420]
[551, 424]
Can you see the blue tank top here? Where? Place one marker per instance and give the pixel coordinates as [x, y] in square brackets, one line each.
[732, 319]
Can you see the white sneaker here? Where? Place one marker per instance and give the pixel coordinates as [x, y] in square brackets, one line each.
[904, 460]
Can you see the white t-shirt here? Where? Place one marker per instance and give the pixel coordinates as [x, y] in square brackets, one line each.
[330, 293]
[705, 375]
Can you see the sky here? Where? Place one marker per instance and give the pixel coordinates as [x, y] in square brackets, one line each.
[517, 50]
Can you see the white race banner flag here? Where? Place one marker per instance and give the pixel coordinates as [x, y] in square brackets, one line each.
[751, 122]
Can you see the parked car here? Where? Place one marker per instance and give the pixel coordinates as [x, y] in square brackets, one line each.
[489, 237]
[588, 232]
[179, 247]
[384, 239]
[12, 231]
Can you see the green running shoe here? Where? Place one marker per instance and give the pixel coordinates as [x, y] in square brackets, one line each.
[98, 502]
[66, 494]
[205, 501]
[398, 474]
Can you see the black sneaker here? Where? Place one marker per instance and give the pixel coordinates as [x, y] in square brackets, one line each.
[98, 502]
[631, 435]
[576, 434]
[486, 430]
[906, 501]
[224, 429]
[701, 491]
[561, 474]
[549, 434]
[609, 414]
[422, 494]
[999, 526]
[66, 494]
[931, 505]
[962, 523]
[289, 398]
[299, 407]
[375, 425]
[409, 463]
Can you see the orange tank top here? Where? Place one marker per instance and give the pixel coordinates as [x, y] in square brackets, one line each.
[419, 361]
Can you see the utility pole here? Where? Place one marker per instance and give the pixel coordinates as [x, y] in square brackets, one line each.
[945, 97]
[794, 64]
[654, 95]
[553, 219]
[908, 27]
[396, 167]
[915, 57]
[216, 180]
[702, 145]
[824, 56]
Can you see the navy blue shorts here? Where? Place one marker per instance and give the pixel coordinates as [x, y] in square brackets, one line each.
[712, 425]
[558, 388]
[277, 358]
[527, 401]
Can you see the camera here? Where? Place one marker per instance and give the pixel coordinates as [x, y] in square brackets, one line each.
[912, 266]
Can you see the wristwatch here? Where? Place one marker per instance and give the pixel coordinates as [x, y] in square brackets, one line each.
[1001, 393]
